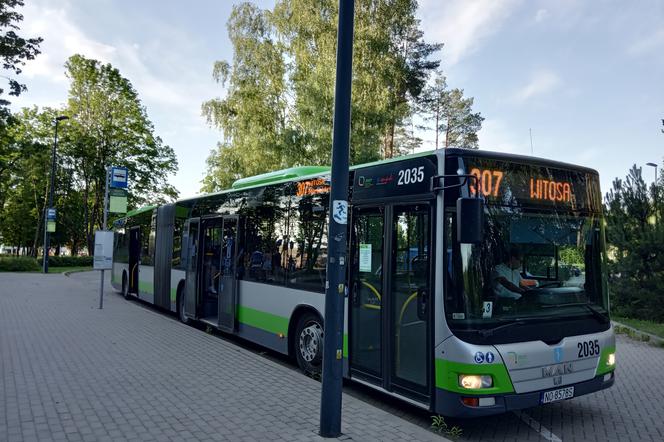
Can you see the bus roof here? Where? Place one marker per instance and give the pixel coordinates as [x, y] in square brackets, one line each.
[510, 157]
[303, 172]
[138, 211]
[279, 175]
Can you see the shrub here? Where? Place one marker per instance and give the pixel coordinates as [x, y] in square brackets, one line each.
[69, 261]
[18, 264]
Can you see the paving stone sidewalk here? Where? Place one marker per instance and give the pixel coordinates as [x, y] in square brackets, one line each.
[69, 371]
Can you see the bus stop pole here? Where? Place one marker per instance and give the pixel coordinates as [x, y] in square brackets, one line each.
[335, 290]
[103, 227]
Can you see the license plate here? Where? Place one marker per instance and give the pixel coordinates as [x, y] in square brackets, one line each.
[557, 395]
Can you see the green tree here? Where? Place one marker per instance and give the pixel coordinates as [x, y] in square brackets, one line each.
[14, 49]
[14, 52]
[636, 247]
[24, 197]
[110, 126]
[278, 107]
[451, 113]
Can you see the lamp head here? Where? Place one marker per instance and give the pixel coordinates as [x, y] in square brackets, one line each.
[61, 117]
[651, 164]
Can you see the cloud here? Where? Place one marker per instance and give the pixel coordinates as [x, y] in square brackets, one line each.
[152, 58]
[463, 25]
[541, 82]
[541, 15]
[651, 43]
[61, 39]
[496, 136]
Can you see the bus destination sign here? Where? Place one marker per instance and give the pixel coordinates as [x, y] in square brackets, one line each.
[402, 178]
[508, 183]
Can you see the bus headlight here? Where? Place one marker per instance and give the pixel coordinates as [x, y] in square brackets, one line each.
[611, 360]
[475, 381]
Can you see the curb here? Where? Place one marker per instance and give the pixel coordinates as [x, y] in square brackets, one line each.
[69, 272]
[640, 335]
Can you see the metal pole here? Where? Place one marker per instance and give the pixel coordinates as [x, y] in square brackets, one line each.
[335, 291]
[103, 227]
[47, 237]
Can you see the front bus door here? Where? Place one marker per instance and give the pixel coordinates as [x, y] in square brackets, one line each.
[134, 258]
[230, 254]
[389, 314]
[191, 238]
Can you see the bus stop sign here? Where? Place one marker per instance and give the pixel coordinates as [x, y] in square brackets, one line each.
[50, 220]
[119, 177]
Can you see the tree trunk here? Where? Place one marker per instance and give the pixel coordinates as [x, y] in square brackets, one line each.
[437, 123]
[86, 213]
[447, 134]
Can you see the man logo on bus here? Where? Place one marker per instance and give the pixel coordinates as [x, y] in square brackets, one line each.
[479, 357]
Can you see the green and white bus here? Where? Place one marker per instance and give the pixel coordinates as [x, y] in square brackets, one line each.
[461, 329]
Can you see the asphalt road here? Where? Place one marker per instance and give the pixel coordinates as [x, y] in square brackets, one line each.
[631, 410]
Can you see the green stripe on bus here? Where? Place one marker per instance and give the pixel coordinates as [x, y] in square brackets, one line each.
[345, 346]
[263, 320]
[447, 377]
[174, 294]
[145, 287]
[603, 367]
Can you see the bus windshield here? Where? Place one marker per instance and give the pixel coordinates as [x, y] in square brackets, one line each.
[531, 267]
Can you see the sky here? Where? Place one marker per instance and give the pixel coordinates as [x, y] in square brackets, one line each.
[585, 77]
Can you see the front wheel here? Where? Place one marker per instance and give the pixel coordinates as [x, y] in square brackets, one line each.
[309, 343]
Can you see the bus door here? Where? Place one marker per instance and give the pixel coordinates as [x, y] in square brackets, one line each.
[231, 252]
[134, 258]
[191, 238]
[389, 323]
[210, 269]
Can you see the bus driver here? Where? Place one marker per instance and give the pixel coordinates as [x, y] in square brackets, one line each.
[507, 280]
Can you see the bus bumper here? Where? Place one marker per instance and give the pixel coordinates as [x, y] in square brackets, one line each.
[450, 404]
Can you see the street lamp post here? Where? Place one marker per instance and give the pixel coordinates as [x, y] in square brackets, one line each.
[50, 195]
[656, 190]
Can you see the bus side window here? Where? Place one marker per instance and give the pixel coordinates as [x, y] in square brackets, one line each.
[307, 247]
[265, 233]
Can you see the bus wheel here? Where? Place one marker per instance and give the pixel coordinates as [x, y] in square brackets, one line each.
[309, 343]
[183, 318]
[125, 286]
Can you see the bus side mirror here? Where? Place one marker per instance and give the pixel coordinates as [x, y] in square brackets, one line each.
[470, 217]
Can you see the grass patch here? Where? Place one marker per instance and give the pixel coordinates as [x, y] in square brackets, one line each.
[438, 425]
[654, 328]
[56, 264]
[68, 269]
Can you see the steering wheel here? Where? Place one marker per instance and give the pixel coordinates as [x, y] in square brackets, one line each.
[551, 284]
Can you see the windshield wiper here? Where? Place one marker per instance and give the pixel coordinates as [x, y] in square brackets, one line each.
[601, 317]
[485, 333]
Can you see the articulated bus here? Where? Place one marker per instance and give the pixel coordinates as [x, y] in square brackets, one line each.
[457, 327]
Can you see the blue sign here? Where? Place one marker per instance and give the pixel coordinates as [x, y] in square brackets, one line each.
[50, 214]
[119, 177]
[558, 354]
[489, 357]
[479, 357]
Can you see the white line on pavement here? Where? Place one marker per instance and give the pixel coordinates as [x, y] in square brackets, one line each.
[541, 429]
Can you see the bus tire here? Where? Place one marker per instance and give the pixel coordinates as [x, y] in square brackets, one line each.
[125, 286]
[180, 307]
[308, 343]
